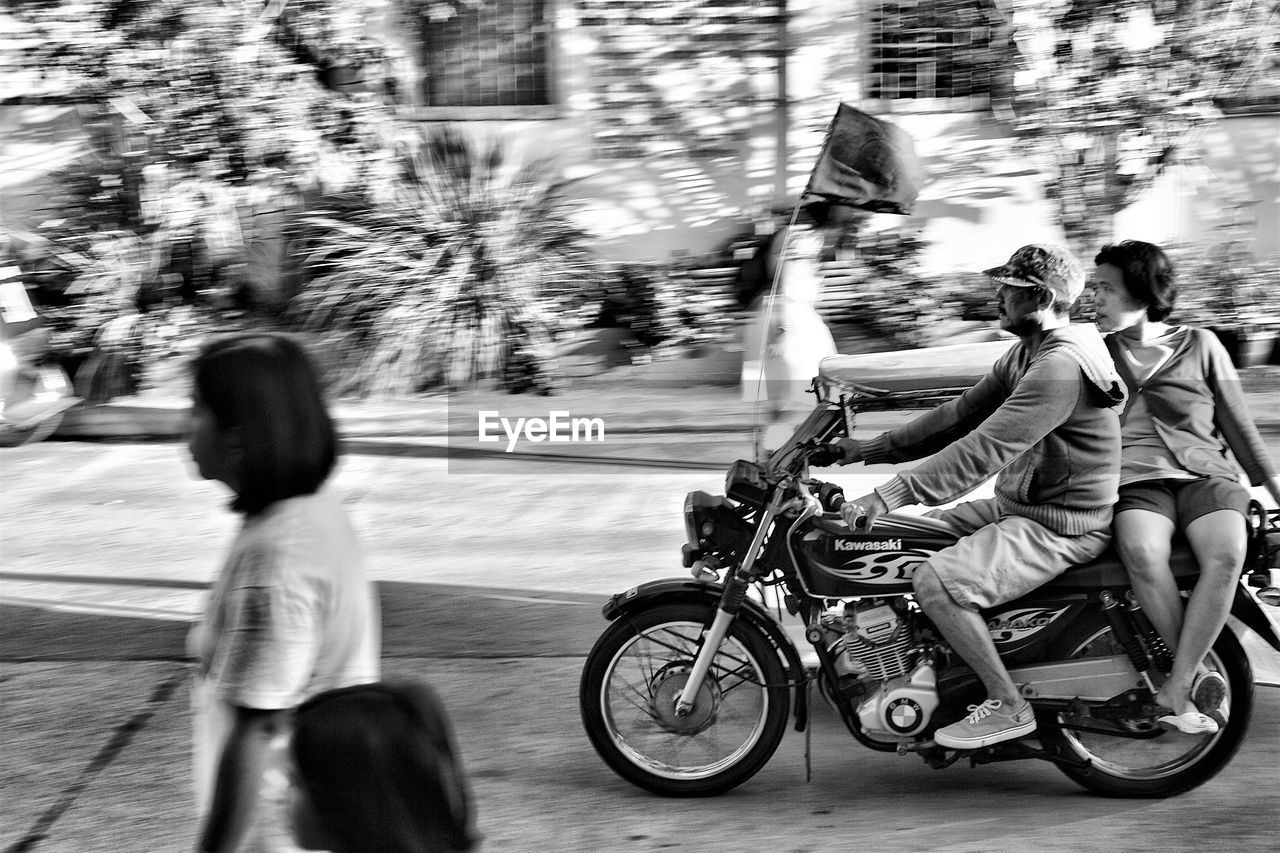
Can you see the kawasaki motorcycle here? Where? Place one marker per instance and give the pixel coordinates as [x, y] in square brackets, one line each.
[689, 690]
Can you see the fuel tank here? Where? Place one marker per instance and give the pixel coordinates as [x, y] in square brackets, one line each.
[838, 562]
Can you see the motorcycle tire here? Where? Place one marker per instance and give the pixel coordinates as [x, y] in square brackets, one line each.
[627, 697]
[1165, 763]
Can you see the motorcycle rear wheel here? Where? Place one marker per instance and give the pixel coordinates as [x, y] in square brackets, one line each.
[627, 695]
[1167, 763]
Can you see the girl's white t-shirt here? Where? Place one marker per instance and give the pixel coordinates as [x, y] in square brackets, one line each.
[290, 615]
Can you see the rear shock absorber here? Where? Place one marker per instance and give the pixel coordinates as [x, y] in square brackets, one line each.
[1122, 629]
[1156, 646]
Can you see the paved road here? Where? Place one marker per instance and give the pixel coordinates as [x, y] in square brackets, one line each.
[540, 788]
[492, 577]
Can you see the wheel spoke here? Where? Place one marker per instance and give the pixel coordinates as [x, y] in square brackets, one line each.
[639, 699]
[683, 650]
[741, 676]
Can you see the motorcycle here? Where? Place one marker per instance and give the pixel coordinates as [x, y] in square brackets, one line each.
[688, 690]
[35, 392]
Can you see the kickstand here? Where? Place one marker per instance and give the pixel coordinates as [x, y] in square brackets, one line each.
[808, 731]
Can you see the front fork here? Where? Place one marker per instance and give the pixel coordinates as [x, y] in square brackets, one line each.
[735, 590]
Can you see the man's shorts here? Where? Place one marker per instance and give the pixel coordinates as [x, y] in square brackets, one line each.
[1183, 501]
[1001, 557]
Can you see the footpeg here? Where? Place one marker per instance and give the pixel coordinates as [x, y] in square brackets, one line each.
[907, 747]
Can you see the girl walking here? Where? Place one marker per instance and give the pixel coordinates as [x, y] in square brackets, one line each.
[291, 613]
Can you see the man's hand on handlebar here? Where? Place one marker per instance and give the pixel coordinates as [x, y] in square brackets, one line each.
[862, 513]
[843, 451]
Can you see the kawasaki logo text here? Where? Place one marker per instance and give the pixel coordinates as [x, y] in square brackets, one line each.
[878, 545]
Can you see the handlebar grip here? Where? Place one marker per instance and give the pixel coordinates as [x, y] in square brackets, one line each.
[825, 456]
[859, 523]
[831, 496]
[836, 504]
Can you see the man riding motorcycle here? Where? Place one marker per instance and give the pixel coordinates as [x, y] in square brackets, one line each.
[1045, 422]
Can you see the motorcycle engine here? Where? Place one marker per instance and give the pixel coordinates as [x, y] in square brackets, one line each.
[877, 660]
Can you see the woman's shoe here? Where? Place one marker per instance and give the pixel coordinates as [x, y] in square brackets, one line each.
[1190, 723]
[1207, 691]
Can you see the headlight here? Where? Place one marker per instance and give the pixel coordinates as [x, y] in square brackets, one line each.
[711, 522]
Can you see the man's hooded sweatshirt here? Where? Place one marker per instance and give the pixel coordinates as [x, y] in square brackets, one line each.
[1045, 422]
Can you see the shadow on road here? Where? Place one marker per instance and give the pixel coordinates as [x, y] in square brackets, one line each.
[420, 620]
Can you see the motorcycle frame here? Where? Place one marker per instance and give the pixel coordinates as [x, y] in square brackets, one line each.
[828, 419]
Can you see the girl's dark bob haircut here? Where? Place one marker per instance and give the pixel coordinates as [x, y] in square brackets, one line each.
[265, 387]
[379, 765]
[1148, 274]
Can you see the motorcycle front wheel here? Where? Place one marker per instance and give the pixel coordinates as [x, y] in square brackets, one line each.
[1159, 763]
[628, 692]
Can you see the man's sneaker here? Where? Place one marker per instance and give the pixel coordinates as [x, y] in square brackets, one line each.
[985, 725]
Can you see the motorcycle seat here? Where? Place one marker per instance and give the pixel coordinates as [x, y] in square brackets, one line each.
[930, 369]
[1107, 570]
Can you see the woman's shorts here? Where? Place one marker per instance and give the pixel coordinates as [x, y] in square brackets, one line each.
[1183, 501]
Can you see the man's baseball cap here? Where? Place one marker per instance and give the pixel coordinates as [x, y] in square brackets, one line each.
[1052, 267]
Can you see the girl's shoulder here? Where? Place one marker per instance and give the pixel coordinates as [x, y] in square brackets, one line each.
[301, 518]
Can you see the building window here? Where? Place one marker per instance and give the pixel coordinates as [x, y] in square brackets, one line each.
[491, 56]
[936, 49]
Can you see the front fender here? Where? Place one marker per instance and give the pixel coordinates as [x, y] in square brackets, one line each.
[703, 592]
[1250, 613]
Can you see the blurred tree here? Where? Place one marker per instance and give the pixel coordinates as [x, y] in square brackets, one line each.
[1109, 92]
[458, 274]
[194, 108]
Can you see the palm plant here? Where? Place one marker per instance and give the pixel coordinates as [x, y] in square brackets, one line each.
[453, 275]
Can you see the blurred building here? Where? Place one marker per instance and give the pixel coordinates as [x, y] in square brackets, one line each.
[683, 120]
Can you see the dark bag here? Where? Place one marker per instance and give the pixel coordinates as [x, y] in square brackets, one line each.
[865, 163]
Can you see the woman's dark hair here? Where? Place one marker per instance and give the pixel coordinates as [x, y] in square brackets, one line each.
[378, 763]
[1147, 272]
[753, 275]
[265, 387]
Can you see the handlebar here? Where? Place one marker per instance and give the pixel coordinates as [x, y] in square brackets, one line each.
[828, 501]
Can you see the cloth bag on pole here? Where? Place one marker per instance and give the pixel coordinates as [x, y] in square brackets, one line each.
[865, 163]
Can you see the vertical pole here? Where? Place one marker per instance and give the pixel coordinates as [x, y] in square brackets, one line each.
[781, 114]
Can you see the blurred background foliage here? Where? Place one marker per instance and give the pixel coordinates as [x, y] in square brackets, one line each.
[457, 274]
[248, 168]
[1109, 93]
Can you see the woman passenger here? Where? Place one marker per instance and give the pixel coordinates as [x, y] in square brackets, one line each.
[1186, 410]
